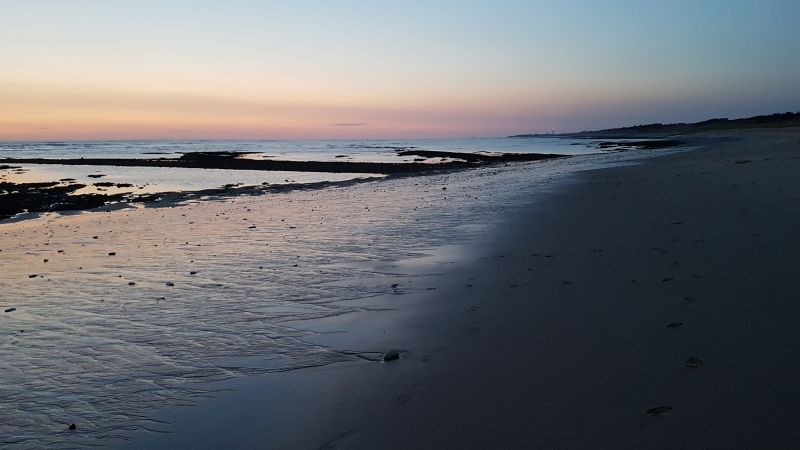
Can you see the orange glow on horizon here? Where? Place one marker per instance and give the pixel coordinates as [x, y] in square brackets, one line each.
[37, 112]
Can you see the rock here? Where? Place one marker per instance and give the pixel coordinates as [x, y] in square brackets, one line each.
[11, 309]
[33, 275]
[391, 355]
[72, 427]
[194, 272]
[694, 363]
[131, 283]
[395, 285]
[658, 411]
[675, 325]
[170, 283]
[112, 253]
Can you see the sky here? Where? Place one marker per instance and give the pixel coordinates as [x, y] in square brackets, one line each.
[238, 69]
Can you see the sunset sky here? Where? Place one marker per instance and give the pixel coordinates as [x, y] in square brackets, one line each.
[370, 69]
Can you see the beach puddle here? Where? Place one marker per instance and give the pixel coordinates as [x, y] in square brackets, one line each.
[111, 180]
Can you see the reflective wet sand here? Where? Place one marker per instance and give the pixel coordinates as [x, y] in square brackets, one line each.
[121, 312]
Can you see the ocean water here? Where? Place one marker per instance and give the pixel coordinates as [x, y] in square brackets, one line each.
[157, 180]
[120, 313]
[318, 150]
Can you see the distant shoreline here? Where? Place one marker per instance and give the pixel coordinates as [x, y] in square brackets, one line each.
[777, 120]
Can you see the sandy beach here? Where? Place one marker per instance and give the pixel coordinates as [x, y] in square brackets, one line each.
[644, 306]
[641, 299]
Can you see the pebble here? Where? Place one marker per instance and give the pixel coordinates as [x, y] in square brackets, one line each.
[658, 411]
[694, 363]
[11, 309]
[72, 427]
[391, 355]
[170, 283]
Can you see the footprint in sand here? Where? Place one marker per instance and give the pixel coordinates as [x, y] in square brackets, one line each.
[402, 399]
[340, 441]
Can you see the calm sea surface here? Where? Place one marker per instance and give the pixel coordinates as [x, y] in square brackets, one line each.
[363, 150]
[158, 179]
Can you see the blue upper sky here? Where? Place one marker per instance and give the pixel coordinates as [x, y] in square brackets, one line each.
[250, 69]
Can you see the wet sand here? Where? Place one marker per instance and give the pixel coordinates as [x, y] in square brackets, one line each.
[116, 314]
[647, 306]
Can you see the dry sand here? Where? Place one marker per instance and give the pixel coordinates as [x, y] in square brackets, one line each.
[554, 333]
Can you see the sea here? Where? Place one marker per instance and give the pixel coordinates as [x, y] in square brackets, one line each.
[154, 180]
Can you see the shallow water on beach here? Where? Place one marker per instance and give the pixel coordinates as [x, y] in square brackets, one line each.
[120, 313]
[316, 150]
[152, 180]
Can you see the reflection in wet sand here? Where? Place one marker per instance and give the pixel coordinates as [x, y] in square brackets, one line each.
[118, 313]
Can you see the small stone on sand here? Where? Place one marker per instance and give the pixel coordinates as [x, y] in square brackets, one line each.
[694, 363]
[11, 309]
[658, 411]
[72, 427]
[391, 355]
